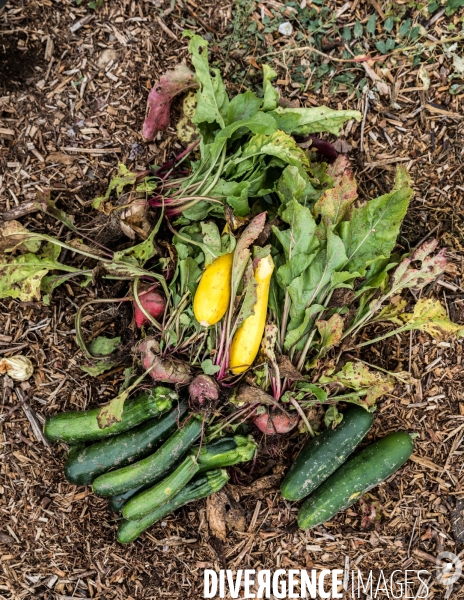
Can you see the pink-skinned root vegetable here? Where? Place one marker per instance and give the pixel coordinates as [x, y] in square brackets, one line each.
[160, 97]
[204, 392]
[272, 423]
[153, 302]
[163, 369]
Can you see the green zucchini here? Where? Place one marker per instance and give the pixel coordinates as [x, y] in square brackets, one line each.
[358, 475]
[152, 467]
[84, 466]
[325, 453]
[82, 426]
[200, 487]
[223, 453]
[117, 503]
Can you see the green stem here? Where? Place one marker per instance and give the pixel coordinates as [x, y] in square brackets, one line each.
[152, 320]
[300, 411]
[78, 321]
[218, 172]
[384, 337]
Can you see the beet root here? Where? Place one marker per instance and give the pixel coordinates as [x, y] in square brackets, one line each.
[276, 422]
[153, 302]
[204, 392]
[166, 370]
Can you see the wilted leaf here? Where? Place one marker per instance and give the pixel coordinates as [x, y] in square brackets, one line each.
[391, 312]
[242, 252]
[224, 514]
[14, 235]
[430, 316]
[331, 332]
[118, 183]
[431, 267]
[249, 394]
[102, 346]
[332, 417]
[140, 253]
[335, 202]
[250, 297]
[269, 341]
[211, 239]
[98, 368]
[370, 511]
[112, 412]
[21, 277]
[358, 377]
[160, 97]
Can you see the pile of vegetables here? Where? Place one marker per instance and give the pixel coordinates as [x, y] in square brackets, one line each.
[256, 276]
[146, 463]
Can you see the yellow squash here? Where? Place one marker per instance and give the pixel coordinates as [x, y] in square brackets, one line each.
[247, 339]
[213, 292]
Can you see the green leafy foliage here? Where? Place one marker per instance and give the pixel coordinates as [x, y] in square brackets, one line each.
[430, 316]
[373, 228]
[123, 178]
[368, 385]
[102, 346]
[453, 5]
[370, 27]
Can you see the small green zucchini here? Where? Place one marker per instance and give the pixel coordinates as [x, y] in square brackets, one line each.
[82, 426]
[154, 466]
[358, 475]
[84, 466]
[325, 453]
[202, 486]
[223, 453]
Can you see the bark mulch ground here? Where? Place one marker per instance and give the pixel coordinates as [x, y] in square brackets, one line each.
[73, 88]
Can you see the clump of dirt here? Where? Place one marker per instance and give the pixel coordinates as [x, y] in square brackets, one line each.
[18, 59]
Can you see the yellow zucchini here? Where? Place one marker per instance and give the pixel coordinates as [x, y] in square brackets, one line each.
[247, 338]
[213, 293]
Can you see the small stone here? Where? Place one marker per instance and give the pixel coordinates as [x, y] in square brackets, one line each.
[286, 28]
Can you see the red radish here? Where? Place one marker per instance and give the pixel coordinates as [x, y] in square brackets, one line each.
[153, 302]
[278, 422]
[167, 370]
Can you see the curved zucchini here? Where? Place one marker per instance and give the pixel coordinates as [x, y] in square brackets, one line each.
[223, 453]
[325, 453]
[152, 467]
[118, 502]
[247, 339]
[82, 426]
[212, 297]
[364, 471]
[84, 466]
[200, 487]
